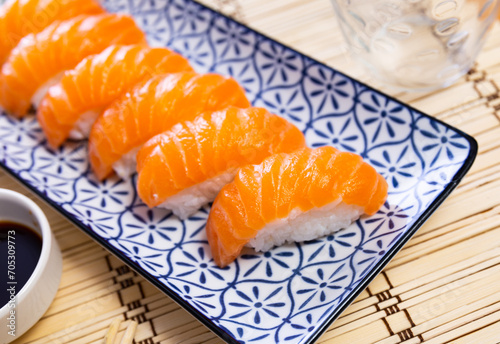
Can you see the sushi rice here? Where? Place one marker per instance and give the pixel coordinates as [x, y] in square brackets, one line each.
[126, 165]
[301, 226]
[187, 202]
[84, 124]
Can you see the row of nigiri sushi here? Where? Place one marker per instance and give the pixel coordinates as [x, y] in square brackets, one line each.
[90, 73]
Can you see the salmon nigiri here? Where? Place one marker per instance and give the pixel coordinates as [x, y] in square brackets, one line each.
[40, 59]
[184, 168]
[19, 18]
[71, 106]
[292, 198]
[151, 108]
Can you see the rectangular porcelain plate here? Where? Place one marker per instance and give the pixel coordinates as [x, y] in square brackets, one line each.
[292, 293]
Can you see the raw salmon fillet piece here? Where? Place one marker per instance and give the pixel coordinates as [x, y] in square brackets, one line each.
[153, 107]
[19, 18]
[39, 59]
[286, 184]
[195, 154]
[84, 92]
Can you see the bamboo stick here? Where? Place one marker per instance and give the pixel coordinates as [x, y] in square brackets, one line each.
[110, 336]
[129, 335]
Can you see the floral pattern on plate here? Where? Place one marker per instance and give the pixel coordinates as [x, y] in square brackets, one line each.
[290, 293]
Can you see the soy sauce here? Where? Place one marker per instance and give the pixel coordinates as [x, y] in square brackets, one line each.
[25, 245]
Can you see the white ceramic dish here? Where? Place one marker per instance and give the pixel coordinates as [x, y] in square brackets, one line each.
[33, 300]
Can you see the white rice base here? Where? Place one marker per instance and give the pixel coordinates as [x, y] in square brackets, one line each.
[187, 202]
[82, 127]
[303, 226]
[40, 93]
[127, 165]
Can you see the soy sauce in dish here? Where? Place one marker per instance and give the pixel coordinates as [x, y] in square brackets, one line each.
[26, 245]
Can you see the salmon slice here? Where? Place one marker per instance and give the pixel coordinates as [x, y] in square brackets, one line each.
[290, 196]
[39, 59]
[188, 165]
[19, 18]
[71, 106]
[152, 107]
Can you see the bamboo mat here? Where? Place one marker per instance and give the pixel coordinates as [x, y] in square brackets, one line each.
[444, 286]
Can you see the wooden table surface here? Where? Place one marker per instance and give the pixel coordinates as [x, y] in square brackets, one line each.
[444, 286]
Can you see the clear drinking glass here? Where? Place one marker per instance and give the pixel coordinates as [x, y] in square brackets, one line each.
[416, 44]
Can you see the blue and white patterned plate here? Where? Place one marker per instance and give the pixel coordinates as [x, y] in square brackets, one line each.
[292, 293]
